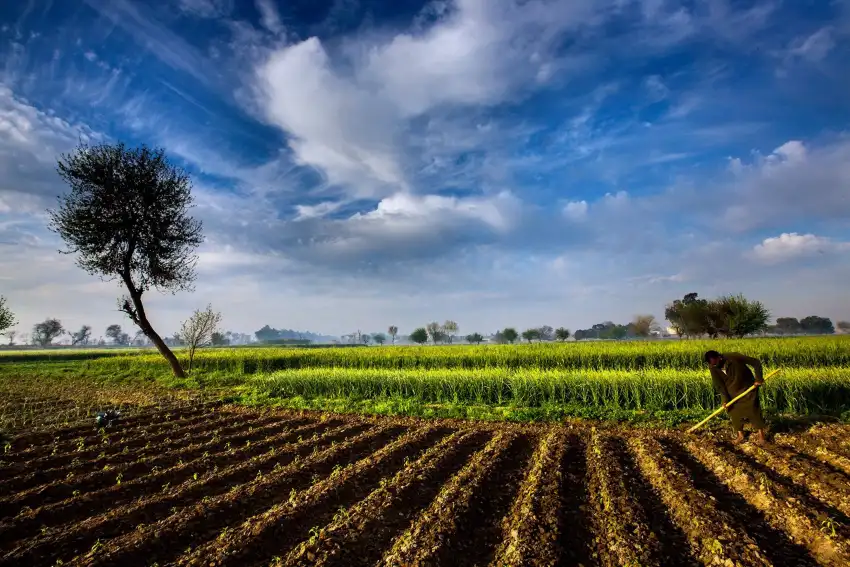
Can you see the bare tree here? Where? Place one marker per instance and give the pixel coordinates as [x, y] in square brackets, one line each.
[392, 332]
[198, 330]
[645, 325]
[7, 318]
[82, 336]
[546, 333]
[12, 334]
[127, 218]
[435, 332]
[118, 336]
[45, 332]
[450, 329]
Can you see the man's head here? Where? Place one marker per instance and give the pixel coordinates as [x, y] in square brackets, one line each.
[712, 357]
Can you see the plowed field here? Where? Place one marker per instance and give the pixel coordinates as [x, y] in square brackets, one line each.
[213, 485]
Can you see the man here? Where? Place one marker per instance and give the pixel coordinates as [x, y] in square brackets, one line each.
[731, 376]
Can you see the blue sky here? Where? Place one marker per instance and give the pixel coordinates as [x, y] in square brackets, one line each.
[361, 163]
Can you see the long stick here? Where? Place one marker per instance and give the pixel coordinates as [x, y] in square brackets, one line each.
[732, 401]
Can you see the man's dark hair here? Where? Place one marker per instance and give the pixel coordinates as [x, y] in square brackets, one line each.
[710, 354]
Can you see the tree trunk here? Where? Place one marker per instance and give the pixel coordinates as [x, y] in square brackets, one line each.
[141, 319]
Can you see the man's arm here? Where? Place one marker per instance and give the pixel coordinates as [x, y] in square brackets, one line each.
[750, 361]
[720, 385]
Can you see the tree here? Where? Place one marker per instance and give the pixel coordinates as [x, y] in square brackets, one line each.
[43, 333]
[510, 335]
[219, 339]
[644, 325]
[435, 332]
[689, 316]
[392, 331]
[817, 325]
[449, 330]
[788, 325]
[118, 336]
[82, 336]
[547, 333]
[11, 334]
[739, 316]
[419, 336]
[562, 334]
[126, 217]
[531, 334]
[198, 330]
[843, 326]
[474, 338]
[7, 318]
[379, 338]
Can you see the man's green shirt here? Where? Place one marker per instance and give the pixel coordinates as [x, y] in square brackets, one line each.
[735, 376]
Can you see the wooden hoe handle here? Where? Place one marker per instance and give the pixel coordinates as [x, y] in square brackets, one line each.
[732, 401]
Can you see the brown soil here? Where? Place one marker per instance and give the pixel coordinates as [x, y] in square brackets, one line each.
[203, 484]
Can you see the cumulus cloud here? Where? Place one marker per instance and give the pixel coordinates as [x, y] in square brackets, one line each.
[30, 140]
[793, 183]
[792, 246]
[576, 210]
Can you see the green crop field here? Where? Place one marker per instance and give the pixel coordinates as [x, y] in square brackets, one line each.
[537, 381]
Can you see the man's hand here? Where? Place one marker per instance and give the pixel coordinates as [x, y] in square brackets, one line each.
[725, 406]
[759, 384]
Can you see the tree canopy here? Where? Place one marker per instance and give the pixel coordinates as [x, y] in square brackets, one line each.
[419, 336]
[7, 318]
[44, 333]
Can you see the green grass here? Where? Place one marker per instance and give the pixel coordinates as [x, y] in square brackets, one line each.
[627, 355]
[638, 381]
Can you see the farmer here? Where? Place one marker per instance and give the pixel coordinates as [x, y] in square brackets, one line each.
[731, 376]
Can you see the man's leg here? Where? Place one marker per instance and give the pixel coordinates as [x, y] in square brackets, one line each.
[737, 425]
[757, 420]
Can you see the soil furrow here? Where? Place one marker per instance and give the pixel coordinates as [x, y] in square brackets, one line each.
[78, 467]
[822, 510]
[163, 540]
[128, 471]
[435, 532]
[66, 542]
[277, 530]
[622, 525]
[713, 536]
[144, 417]
[574, 521]
[816, 452]
[96, 502]
[131, 439]
[114, 435]
[774, 543]
[361, 535]
[832, 490]
[531, 530]
[779, 507]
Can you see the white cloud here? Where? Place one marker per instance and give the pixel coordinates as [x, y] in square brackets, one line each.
[792, 246]
[269, 16]
[30, 141]
[305, 212]
[576, 210]
[351, 119]
[814, 47]
[335, 125]
[206, 8]
[794, 183]
[793, 151]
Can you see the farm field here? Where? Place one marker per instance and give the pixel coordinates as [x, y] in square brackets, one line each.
[633, 380]
[205, 483]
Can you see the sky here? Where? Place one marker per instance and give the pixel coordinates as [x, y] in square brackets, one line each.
[358, 164]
